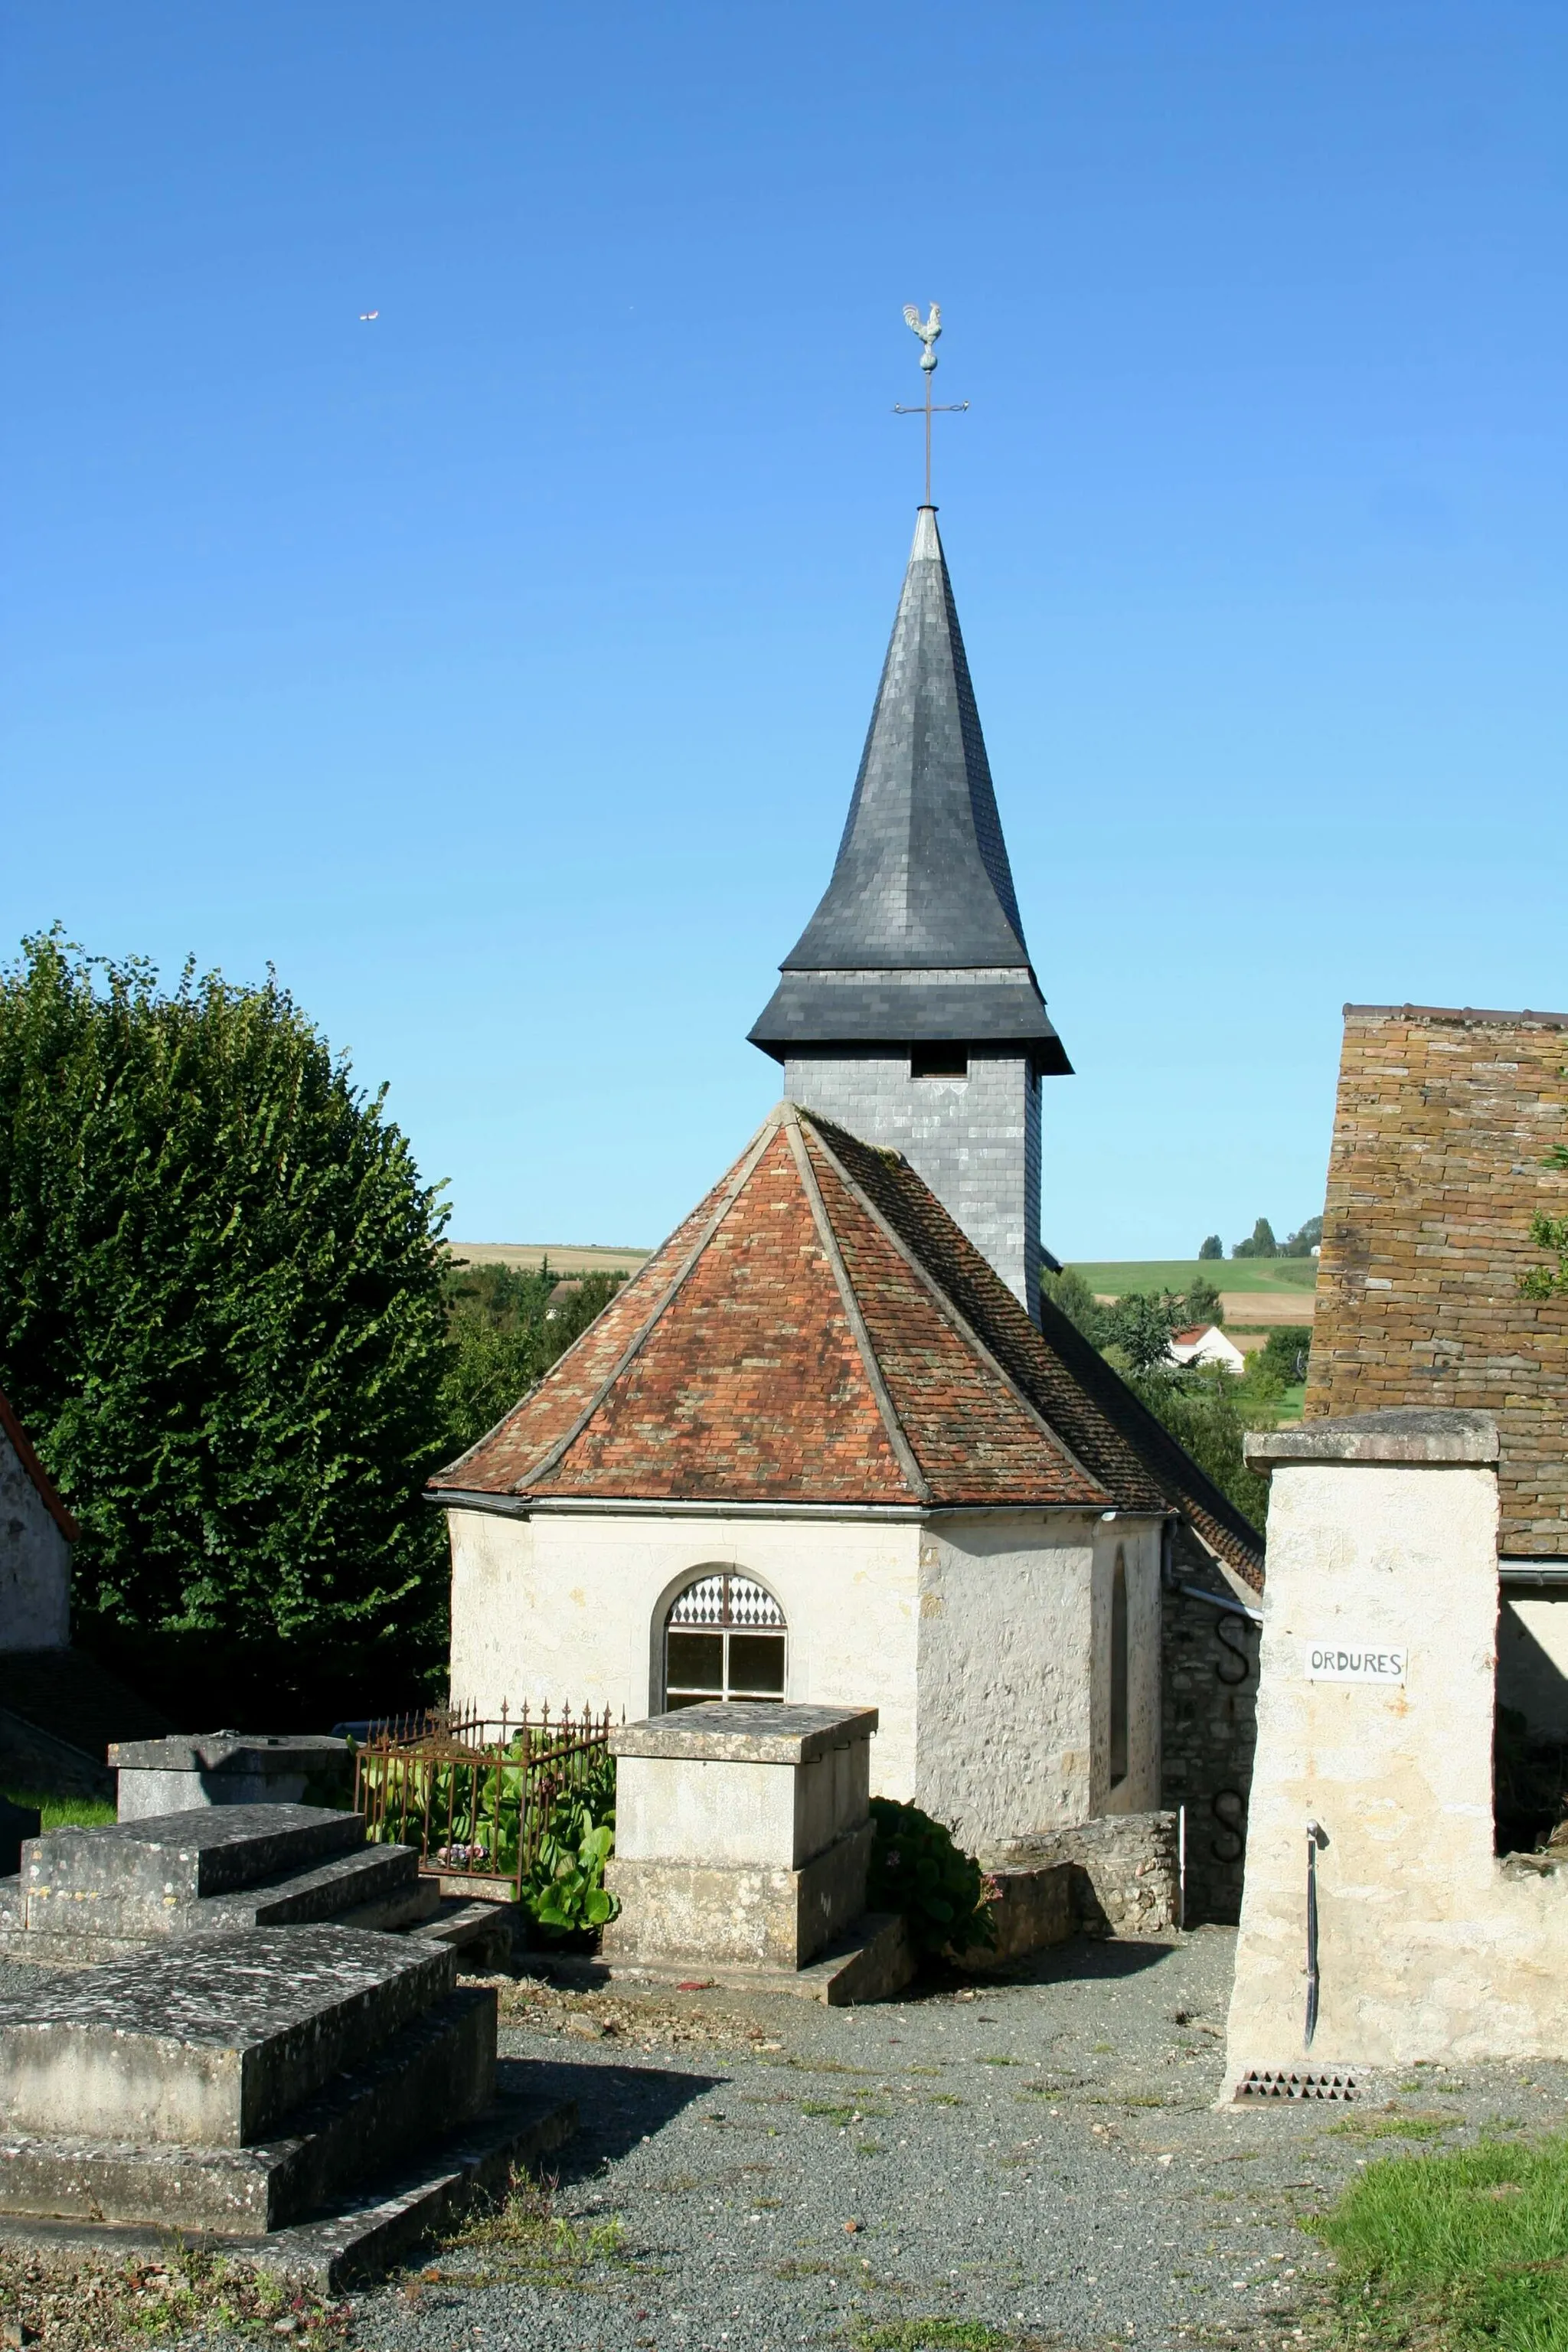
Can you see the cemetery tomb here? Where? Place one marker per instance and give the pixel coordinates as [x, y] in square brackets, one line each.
[245, 2094]
[223, 1767]
[90, 1894]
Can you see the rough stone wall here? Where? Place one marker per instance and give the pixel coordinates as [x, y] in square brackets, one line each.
[1124, 1867]
[974, 1140]
[1442, 1123]
[1005, 1734]
[1210, 1734]
[1139, 1544]
[35, 1562]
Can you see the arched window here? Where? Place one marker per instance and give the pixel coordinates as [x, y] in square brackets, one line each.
[1118, 1707]
[723, 1638]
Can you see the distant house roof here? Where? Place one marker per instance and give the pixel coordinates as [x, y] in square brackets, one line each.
[1444, 1120]
[820, 1331]
[22, 1447]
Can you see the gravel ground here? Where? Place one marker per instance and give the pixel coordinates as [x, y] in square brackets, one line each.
[1038, 2159]
[1036, 2162]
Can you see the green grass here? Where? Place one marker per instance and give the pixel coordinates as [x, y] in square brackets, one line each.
[66, 1812]
[1468, 2250]
[1113, 1276]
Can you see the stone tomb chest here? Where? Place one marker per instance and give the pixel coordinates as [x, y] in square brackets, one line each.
[247, 2087]
[223, 1767]
[742, 1833]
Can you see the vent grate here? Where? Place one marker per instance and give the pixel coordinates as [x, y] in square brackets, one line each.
[1267, 2083]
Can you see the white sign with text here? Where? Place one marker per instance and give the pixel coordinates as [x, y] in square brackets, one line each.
[1354, 1662]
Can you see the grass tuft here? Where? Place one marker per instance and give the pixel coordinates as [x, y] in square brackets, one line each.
[1467, 2250]
[518, 2235]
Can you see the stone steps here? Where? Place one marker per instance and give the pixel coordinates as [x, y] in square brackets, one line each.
[87, 1896]
[246, 2086]
[216, 2050]
[432, 2075]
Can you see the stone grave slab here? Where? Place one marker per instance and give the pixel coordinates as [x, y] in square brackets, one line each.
[214, 2052]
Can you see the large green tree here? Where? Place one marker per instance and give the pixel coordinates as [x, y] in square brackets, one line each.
[221, 1311]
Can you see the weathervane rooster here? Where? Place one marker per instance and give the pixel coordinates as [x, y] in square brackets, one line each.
[928, 333]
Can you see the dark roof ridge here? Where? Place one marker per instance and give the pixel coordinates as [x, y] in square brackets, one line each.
[1179, 1482]
[552, 1456]
[897, 1435]
[946, 1306]
[1459, 1012]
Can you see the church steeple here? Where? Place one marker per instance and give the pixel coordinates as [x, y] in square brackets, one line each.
[922, 876]
[907, 1008]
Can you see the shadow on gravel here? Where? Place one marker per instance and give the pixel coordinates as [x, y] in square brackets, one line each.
[616, 2106]
[1082, 1959]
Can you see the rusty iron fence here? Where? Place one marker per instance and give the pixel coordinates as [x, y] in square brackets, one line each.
[475, 1794]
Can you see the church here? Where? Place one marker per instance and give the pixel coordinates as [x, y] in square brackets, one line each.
[828, 1444]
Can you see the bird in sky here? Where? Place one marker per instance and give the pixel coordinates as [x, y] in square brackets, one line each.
[366, 315]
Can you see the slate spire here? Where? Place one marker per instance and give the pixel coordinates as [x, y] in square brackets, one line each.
[922, 876]
[921, 885]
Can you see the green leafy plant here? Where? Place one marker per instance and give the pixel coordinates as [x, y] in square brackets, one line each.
[1548, 1233]
[916, 1869]
[564, 1893]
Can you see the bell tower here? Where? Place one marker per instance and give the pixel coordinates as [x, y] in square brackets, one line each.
[908, 1010]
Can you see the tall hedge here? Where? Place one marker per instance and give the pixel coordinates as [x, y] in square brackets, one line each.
[220, 1307]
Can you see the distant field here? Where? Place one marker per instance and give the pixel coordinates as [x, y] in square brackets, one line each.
[1115, 1276]
[565, 1257]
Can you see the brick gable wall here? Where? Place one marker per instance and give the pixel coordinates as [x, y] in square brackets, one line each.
[1442, 1124]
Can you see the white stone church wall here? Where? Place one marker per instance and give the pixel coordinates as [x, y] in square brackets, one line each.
[974, 1140]
[568, 1608]
[1015, 1672]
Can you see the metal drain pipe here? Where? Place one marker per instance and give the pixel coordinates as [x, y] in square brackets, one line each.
[1315, 1838]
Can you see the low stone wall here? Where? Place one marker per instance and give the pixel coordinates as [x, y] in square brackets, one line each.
[1122, 1869]
[1208, 1735]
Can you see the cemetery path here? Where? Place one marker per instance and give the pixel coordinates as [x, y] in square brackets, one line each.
[1034, 2162]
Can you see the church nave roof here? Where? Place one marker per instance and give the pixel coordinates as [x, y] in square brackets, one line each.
[819, 1330]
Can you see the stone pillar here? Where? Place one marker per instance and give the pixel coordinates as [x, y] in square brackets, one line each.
[1374, 1722]
[742, 1833]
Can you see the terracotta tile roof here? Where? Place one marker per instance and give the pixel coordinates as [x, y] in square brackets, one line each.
[1442, 1127]
[36, 1472]
[819, 1330]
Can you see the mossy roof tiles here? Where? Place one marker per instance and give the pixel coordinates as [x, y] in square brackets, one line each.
[820, 1331]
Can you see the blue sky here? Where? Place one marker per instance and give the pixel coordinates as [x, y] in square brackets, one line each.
[499, 670]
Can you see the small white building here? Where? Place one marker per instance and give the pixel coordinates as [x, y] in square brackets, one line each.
[817, 1451]
[1206, 1343]
[37, 1533]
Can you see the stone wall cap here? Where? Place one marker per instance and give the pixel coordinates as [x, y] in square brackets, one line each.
[224, 1751]
[1430, 1434]
[746, 1731]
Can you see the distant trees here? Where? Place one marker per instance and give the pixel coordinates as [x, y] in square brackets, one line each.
[505, 1335]
[1213, 1247]
[221, 1311]
[1262, 1243]
[1205, 1408]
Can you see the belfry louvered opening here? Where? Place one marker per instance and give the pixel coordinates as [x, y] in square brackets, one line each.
[724, 1638]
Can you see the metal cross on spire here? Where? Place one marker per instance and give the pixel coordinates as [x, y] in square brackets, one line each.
[928, 332]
